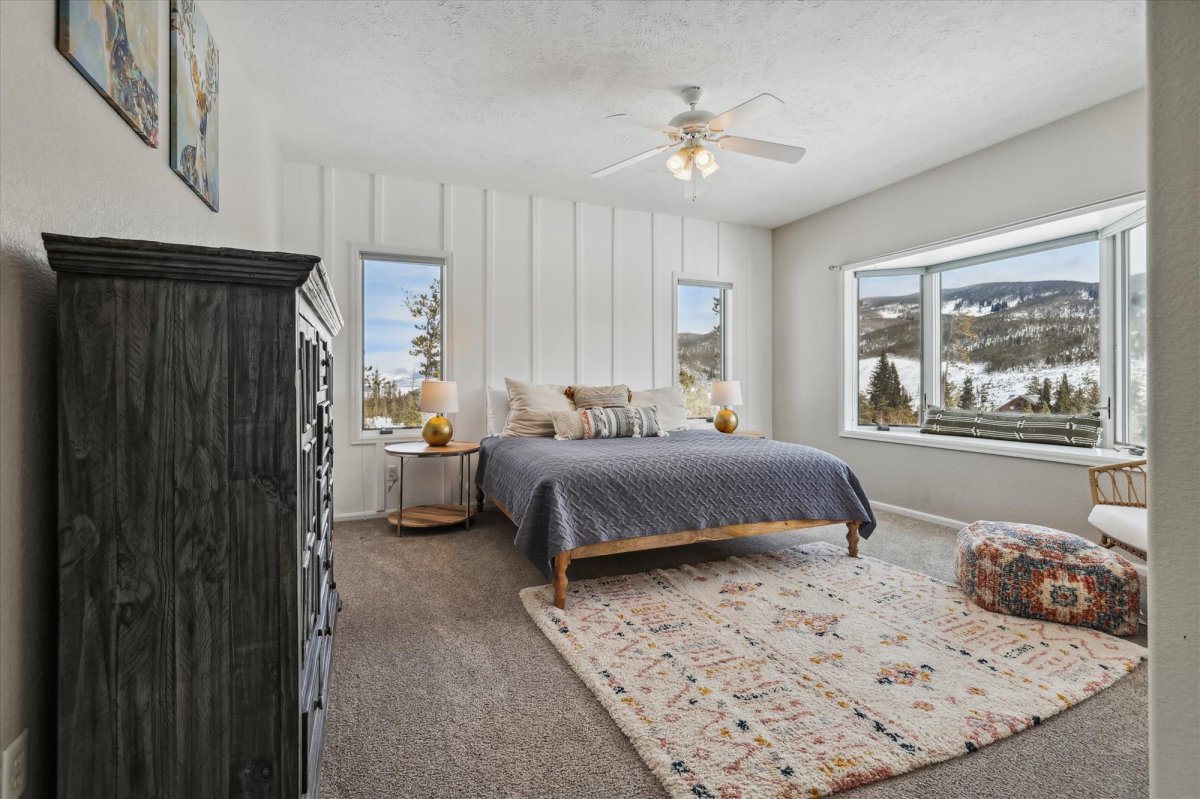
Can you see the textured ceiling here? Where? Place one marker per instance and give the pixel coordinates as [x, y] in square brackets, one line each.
[513, 95]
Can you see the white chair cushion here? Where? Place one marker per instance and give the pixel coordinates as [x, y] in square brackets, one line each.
[1127, 525]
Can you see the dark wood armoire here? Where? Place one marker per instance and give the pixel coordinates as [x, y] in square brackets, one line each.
[197, 602]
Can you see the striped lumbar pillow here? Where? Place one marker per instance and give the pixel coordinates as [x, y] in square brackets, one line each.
[1069, 430]
[606, 423]
[599, 396]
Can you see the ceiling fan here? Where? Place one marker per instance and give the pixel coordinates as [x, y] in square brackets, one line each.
[690, 131]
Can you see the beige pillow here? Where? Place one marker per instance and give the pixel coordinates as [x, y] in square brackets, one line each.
[672, 415]
[599, 396]
[530, 406]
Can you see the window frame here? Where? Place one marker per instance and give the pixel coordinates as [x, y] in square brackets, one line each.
[728, 287]
[1113, 273]
[383, 252]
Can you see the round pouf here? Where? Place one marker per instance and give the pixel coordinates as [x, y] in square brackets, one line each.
[1042, 573]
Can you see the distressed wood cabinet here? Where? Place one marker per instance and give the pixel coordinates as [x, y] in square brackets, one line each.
[197, 602]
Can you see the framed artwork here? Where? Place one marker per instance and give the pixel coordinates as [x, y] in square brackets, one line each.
[194, 88]
[114, 44]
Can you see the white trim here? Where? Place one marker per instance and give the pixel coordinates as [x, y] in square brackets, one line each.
[1078, 210]
[899, 510]
[361, 516]
[1010, 449]
[359, 250]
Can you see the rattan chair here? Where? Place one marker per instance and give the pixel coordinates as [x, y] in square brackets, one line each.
[1119, 506]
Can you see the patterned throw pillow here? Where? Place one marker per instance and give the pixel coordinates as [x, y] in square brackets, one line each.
[1074, 430]
[606, 423]
[599, 396]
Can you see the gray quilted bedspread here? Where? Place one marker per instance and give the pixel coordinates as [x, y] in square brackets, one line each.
[564, 494]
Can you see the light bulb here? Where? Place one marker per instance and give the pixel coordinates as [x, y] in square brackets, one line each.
[676, 162]
[703, 158]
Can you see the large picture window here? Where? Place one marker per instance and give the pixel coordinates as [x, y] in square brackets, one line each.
[403, 338]
[701, 341]
[1048, 317]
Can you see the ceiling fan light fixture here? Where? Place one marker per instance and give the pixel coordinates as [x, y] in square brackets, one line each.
[706, 162]
[676, 162]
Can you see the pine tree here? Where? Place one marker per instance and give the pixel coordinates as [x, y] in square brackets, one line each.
[984, 401]
[1063, 398]
[427, 344]
[966, 399]
[949, 392]
[877, 388]
[1044, 396]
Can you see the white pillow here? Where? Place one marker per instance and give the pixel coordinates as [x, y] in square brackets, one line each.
[669, 402]
[497, 410]
[530, 406]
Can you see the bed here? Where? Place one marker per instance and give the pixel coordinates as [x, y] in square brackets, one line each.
[581, 499]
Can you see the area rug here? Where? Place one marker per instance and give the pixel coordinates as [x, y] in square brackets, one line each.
[803, 672]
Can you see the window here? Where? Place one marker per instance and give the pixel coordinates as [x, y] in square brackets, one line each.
[403, 339]
[701, 345]
[1047, 317]
[1022, 334]
[889, 349]
[1130, 247]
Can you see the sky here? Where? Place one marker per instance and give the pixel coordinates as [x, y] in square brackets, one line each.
[695, 310]
[388, 327]
[1077, 262]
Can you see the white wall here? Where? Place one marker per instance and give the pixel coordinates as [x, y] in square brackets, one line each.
[69, 164]
[1173, 223]
[543, 289]
[1090, 156]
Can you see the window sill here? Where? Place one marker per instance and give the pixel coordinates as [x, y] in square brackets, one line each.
[399, 436]
[1010, 449]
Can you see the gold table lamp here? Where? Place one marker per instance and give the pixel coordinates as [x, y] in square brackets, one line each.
[438, 397]
[726, 393]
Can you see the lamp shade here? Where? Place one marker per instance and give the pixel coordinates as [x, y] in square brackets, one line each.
[438, 396]
[727, 392]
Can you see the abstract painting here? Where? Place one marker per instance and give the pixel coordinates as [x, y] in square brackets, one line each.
[194, 86]
[114, 44]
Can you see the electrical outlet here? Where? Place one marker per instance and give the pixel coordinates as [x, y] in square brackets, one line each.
[392, 474]
[16, 764]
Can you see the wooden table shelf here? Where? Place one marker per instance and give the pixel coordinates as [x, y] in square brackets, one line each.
[424, 517]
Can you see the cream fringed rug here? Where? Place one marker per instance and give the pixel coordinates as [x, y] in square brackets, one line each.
[803, 672]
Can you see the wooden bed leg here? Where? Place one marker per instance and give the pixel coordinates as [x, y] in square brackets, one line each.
[852, 538]
[561, 561]
[479, 498]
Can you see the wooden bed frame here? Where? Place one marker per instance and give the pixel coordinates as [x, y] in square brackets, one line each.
[563, 559]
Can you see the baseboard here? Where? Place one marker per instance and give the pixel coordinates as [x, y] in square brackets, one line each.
[359, 517]
[921, 515]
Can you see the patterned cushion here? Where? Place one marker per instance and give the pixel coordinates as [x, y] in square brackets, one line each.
[1041, 573]
[599, 396]
[606, 423]
[1077, 430]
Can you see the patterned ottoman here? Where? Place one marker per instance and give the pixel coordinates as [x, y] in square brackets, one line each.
[1041, 573]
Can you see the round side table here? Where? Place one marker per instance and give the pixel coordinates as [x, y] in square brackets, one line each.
[441, 515]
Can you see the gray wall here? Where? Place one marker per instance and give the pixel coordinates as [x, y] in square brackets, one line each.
[1093, 155]
[69, 164]
[1174, 294]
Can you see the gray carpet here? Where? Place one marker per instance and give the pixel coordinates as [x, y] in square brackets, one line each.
[443, 687]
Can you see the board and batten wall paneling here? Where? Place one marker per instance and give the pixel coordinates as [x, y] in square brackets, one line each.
[541, 289]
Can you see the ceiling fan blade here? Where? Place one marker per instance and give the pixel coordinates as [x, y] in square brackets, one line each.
[740, 114]
[608, 170]
[762, 149]
[641, 123]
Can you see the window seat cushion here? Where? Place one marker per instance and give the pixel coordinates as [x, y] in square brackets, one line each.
[1070, 430]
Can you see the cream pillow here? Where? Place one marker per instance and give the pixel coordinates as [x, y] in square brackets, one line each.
[669, 403]
[530, 406]
[497, 402]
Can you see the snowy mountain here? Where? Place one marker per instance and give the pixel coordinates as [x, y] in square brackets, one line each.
[1001, 334]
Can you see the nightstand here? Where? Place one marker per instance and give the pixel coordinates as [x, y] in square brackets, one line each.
[749, 433]
[440, 515]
